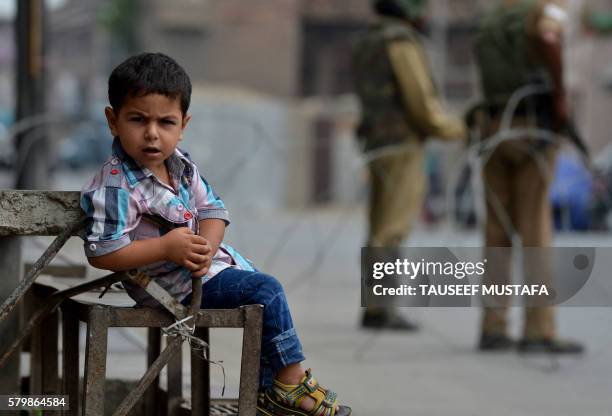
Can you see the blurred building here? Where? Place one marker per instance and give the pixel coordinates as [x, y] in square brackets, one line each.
[248, 44]
[293, 48]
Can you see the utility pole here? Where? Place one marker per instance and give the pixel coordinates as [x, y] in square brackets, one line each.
[32, 145]
[31, 165]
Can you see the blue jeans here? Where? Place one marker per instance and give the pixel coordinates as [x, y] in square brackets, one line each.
[232, 288]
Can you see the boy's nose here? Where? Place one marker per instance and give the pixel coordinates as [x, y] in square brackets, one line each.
[151, 132]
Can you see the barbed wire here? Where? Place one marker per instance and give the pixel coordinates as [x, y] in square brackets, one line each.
[326, 241]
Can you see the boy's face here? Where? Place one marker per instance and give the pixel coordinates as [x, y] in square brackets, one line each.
[149, 127]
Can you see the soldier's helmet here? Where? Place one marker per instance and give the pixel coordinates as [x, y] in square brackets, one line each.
[411, 9]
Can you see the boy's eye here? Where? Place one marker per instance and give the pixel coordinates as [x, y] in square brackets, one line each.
[167, 121]
[137, 119]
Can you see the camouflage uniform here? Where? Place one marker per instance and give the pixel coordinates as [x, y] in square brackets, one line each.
[400, 109]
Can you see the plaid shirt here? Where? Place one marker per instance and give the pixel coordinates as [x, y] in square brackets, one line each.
[125, 202]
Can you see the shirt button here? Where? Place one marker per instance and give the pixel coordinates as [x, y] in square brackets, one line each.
[93, 247]
[114, 162]
[187, 215]
[180, 207]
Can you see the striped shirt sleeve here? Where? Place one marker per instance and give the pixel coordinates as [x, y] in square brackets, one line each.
[208, 203]
[111, 214]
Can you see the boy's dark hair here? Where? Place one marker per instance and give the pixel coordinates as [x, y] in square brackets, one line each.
[149, 73]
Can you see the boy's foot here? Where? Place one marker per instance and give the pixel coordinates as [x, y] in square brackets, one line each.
[385, 319]
[551, 346]
[307, 398]
[495, 343]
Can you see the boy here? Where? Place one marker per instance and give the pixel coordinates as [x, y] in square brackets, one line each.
[147, 176]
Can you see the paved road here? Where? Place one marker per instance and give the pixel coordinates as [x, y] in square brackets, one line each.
[434, 372]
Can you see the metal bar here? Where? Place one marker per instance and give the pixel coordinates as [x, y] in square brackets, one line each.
[200, 378]
[75, 270]
[53, 302]
[36, 354]
[175, 383]
[32, 324]
[218, 318]
[196, 295]
[32, 302]
[160, 294]
[151, 404]
[200, 384]
[251, 352]
[95, 362]
[70, 359]
[205, 334]
[24, 284]
[94, 284]
[49, 349]
[132, 398]
[43, 344]
[10, 270]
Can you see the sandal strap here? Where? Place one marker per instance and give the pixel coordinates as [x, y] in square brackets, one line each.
[293, 395]
[330, 398]
[310, 383]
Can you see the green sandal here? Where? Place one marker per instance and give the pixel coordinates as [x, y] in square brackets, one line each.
[285, 399]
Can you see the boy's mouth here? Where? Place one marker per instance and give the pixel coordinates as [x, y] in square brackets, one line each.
[151, 150]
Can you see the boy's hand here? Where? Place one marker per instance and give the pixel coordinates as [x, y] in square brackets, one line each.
[186, 249]
[205, 265]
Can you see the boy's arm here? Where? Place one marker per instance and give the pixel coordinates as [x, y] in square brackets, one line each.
[212, 218]
[134, 255]
[212, 230]
[179, 246]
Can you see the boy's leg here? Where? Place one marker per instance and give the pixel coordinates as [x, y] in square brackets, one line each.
[281, 351]
[232, 288]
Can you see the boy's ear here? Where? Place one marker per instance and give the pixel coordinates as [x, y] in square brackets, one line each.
[186, 120]
[111, 119]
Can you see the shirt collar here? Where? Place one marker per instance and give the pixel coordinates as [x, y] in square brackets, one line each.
[178, 165]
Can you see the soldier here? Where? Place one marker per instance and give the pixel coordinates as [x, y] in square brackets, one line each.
[519, 45]
[400, 109]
